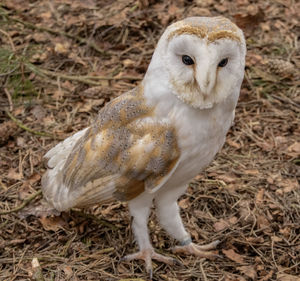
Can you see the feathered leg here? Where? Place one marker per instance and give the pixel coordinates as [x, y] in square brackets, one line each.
[139, 209]
[169, 217]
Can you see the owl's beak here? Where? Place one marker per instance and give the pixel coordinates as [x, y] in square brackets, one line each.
[206, 78]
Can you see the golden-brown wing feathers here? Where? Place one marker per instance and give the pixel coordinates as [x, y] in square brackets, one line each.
[125, 152]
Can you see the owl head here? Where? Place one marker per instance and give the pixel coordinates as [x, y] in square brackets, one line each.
[202, 59]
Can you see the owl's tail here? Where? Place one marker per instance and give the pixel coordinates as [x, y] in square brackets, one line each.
[52, 181]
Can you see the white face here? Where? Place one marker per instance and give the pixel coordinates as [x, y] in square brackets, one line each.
[202, 72]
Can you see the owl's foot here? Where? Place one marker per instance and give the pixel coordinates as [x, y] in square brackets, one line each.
[198, 250]
[147, 256]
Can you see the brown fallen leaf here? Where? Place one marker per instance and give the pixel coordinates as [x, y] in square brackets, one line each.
[295, 147]
[7, 130]
[68, 271]
[288, 185]
[232, 255]
[260, 196]
[249, 22]
[184, 203]
[53, 223]
[62, 49]
[248, 270]
[253, 172]
[227, 178]
[14, 175]
[221, 225]
[287, 277]
[233, 143]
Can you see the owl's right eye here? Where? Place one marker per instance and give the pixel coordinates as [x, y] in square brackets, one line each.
[187, 60]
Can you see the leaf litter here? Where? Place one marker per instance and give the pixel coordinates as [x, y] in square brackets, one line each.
[61, 61]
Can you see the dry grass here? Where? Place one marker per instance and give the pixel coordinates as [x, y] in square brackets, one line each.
[60, 61]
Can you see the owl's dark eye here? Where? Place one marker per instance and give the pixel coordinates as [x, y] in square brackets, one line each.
[187, 60]
[223, 62]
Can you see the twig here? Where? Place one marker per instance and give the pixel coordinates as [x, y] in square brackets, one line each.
[13, 242]
[81, 78]
[202, 270]
[96, 255]
[9, 99]
[9, 72]
[25, 202]
[22, 126]
[9, 39]
[272, 253]
[132, 279]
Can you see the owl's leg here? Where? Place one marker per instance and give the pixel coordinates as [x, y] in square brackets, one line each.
[169, 217]
[139, 209]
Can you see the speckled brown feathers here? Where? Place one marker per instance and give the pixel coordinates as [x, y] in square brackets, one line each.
[221, 28]
[124, 152]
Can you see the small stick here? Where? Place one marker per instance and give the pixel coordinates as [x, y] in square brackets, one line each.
[81, 78]
[22, 126]
[25, 202]
[9, 99]
[9, 39]
[202, 270]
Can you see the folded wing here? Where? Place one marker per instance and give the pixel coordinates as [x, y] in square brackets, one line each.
[123, 154]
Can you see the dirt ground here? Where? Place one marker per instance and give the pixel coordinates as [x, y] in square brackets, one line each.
[62, 60]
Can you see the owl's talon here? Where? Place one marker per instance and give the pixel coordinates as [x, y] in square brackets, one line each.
[151, 274]
[199, 250]
[147, 256]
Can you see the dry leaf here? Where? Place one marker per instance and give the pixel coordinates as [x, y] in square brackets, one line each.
[248, 270]
[89, 103]
[128, 62]
[250, 21]
[294, 149]
[286, 231]
[263, 223]
[233, 220]
[7, 130]
[227, 178]
[68, 271]
[184, 203]
[233, 143]
[232, 255]
[47, 15]
[253, 172]
[62, 48]
[14, 175]
[221, 225]
[276, 239]
[260, 196]
[289, 184]
[38, 112]
[287, 277]
[53, 223]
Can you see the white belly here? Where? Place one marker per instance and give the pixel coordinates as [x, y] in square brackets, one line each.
[201, 134]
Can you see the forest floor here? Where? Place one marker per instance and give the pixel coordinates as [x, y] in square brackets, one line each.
[61, 61]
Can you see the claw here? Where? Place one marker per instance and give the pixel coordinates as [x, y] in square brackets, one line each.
[151, 274]
[147, 256]
[199, 250]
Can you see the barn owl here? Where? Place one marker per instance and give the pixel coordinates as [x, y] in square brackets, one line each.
[147, 144]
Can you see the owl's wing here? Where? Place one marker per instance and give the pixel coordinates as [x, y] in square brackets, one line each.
[117, 157]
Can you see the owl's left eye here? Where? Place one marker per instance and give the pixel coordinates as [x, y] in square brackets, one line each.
[223, 62]
[187, 60]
